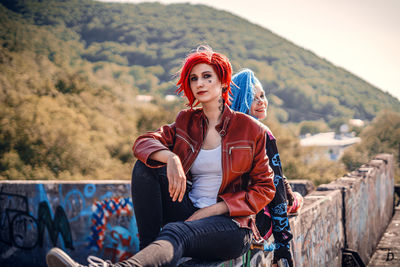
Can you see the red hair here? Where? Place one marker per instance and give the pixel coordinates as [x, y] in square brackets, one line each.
[220, 64]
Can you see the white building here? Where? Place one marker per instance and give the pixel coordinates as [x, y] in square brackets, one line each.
[333, 144]
[144, 98]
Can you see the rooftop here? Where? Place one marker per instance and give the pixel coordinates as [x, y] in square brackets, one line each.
[329, 139]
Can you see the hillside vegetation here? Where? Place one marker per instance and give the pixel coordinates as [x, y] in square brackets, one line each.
[381, 136]
[70, 72]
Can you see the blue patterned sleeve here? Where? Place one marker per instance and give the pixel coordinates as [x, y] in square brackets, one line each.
[278, 206]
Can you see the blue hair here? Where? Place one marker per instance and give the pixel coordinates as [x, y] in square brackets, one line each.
[243, 90]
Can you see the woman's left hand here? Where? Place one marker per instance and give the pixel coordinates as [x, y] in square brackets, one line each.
[216, 209]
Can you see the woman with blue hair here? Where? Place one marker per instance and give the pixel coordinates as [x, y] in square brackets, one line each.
[249, 97]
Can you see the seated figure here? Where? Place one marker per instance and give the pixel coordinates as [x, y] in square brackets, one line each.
[249, 97]
[227, 169]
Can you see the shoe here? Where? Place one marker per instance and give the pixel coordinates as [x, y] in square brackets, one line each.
[58, 258]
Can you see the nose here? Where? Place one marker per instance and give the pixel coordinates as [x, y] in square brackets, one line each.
[259, 101]
[200, 83]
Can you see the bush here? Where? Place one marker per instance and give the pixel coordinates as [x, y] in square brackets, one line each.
[381, 136]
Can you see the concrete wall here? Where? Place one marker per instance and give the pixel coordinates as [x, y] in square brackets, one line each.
[97, 218]
[304, 187]
[368, 204]
[318, 230]
[80, 217]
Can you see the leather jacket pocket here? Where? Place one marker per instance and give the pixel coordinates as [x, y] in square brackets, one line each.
[240, 158]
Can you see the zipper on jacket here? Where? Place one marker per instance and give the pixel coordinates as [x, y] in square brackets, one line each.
[234, 147]
[191, 147]
[223, 167]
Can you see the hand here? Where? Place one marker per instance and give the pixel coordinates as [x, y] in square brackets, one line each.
[290, 197]
[216, 209]
[289, 192]
[176, 178]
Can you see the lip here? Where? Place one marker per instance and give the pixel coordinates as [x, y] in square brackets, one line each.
[260, 110]
[201, 92]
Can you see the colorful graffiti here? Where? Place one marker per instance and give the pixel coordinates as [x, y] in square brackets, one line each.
[82, 219]
[122, 240]
[249, 259]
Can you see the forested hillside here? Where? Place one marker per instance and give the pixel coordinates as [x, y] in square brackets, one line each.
[70, 72]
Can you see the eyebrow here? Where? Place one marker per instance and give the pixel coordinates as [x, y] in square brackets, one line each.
[207, 71]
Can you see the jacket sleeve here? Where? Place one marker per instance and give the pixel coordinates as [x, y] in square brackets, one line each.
[261, 189]
[278, 206]
[146, 144]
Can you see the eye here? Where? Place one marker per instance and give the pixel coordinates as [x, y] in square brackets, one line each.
[193, 78]
[206, 76]
[262, 96]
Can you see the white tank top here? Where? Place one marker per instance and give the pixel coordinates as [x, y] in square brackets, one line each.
[206, 177]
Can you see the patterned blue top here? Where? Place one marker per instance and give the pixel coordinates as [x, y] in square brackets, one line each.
[278, 206]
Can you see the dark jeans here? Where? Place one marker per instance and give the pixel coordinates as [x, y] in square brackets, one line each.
[212, 238]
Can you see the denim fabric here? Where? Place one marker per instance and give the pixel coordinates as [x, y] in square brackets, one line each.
[152, 204]
[211, 238]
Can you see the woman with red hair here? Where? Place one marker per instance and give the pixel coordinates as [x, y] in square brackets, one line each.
[198, 182]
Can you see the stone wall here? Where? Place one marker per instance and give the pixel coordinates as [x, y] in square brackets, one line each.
[80, 217]
[368, 195]
[318, 230]
[97, 218]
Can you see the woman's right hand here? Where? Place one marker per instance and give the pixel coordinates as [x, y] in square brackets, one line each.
[176, 178]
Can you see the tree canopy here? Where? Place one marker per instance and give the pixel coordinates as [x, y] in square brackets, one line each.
[70, 72]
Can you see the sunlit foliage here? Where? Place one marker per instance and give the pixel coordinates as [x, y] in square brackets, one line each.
[381, 136]
[70, 72]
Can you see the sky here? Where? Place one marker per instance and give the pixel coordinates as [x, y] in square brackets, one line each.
[361, 36]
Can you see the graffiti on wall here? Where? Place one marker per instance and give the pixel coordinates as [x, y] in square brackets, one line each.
[17, 227]
[21, 230]
[84, 219]
[318, 239]
[249, 259]
[122, 237]
[58, 225]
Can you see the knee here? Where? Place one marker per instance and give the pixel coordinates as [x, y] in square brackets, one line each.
[139, 169]
[173, 227]
[175, 232]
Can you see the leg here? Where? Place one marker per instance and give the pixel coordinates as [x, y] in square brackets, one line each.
[215, 238]
[153, 209]
[212, 238]
[152, 204]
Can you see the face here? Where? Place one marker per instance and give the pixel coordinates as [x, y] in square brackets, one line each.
[205, 84]
[260, 103]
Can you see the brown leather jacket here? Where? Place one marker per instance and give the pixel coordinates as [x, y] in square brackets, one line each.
[247, 182]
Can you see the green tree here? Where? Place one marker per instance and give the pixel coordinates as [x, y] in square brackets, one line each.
[381, 136]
